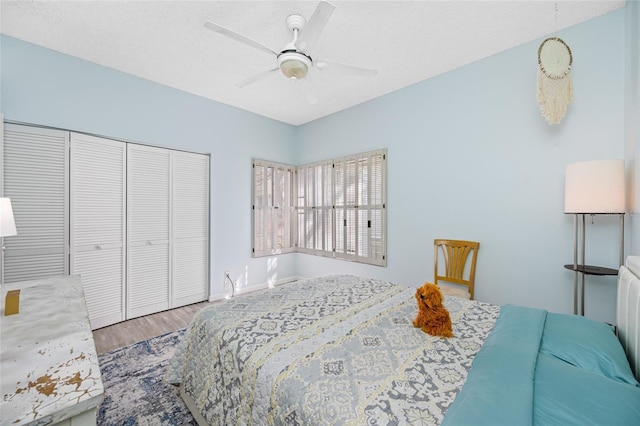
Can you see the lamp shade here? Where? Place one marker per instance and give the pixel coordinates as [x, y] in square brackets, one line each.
[595, 187]
[7, 224]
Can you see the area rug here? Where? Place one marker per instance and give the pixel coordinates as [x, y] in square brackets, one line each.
[134, 392]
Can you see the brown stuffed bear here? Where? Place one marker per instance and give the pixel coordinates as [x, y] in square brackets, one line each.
[432, 317]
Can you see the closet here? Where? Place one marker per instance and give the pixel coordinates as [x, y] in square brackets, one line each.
[132, 220]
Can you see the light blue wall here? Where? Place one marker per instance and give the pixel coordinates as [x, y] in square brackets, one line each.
[632, 118]
[44, 87]
[470, 157]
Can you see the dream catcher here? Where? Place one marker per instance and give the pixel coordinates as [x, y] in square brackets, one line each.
[555, 90]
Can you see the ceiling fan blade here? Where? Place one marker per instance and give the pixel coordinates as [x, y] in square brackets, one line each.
[323, 64]
[306, 86]
[256, 77]
[237, 37]
[312, 30]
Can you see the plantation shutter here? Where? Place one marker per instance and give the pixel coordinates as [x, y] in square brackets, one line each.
[306, 194]
[273, 209]
[339, 210]
[282, 180]
[301, 213]
[360, 202]
[346, 208]
[190, 245]
[259, 209]
[371, 205]
[35, 168]
[325, 207]
[98, 220]
[315, 209]
[148, 229]
[378, 208]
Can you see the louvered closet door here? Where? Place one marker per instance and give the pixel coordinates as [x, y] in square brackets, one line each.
[98, 223]
[148, 229]
[190, 247]
[35, 172]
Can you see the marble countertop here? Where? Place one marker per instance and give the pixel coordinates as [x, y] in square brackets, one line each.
[48, 362]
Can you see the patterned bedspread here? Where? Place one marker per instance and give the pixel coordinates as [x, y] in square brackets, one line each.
[337, 349]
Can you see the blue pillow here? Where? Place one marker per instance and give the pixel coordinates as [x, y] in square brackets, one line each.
[587, 344]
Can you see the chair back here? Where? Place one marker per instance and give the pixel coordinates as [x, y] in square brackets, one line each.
[455, 254]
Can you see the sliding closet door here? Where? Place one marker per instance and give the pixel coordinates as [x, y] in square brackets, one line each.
[190, 248]
[148, 229]
[98, 190]
[35, 172]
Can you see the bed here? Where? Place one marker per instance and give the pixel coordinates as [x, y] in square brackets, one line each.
[341, 349]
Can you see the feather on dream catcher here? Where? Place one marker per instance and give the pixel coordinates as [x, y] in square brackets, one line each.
[555, 89]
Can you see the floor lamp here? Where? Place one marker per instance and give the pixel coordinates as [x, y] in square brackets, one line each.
[593, 187]
[7, 227]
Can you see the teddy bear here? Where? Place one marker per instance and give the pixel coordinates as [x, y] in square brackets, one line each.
[433, 317]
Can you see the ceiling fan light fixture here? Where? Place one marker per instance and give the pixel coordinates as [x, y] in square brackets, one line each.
[293, 68]
[294, 65]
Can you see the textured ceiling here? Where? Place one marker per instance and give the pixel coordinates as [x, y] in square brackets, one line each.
[406, 41]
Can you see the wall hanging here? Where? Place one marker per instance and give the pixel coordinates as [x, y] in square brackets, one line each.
[555, 89]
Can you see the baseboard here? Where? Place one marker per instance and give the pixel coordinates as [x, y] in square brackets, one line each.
[261, 286]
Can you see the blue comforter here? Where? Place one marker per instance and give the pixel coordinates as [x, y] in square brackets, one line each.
[540, 368]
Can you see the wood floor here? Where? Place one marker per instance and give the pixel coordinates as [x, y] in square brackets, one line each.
[143, 328]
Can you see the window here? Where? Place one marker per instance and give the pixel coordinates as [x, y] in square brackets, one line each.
[360, 207]
[273, 208]
[315, 209]
[340, 208]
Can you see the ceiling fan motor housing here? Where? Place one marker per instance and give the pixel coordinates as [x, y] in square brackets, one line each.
[296, 22]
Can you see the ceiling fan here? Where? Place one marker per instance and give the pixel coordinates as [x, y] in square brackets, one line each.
[295, 60]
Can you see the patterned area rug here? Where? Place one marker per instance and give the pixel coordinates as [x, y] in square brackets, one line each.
[135, 393]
